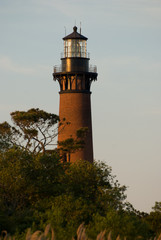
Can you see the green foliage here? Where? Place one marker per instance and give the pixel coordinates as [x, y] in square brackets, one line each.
[33, 116]
[154, 219]
[157, 207]
[24, 177]
[47, 174]
[37, 187]
[8, 136]
[71, 145]
[120, 223]
[34, 130]
[94, 183]
[66, 214]
[12, 179]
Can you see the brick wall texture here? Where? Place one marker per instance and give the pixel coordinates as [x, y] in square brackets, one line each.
[76, 109]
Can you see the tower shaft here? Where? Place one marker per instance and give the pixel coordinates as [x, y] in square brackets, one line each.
[75, 77]
[76, 108]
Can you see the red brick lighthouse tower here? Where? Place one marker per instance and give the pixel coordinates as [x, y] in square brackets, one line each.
[75, 77]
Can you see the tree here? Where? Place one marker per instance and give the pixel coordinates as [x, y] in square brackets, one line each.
[25, 179]
[37, 187]
[34, 130]
[154, 218]
[8, 136]
[71, 145]
[87, 189]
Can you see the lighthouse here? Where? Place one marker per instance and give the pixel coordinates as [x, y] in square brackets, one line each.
[75, 76]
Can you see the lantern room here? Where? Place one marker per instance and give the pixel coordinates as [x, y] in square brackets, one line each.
[75, 45]
[74, 67]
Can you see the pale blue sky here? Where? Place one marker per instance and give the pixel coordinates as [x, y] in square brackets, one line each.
[124, 40]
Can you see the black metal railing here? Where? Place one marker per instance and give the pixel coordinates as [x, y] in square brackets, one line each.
[58, 68]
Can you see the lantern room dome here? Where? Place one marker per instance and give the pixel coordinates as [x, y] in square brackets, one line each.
[75, 35]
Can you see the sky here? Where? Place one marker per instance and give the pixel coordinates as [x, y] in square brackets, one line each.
[124, 41]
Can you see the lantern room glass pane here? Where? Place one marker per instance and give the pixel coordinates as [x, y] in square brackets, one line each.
[75, 48]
